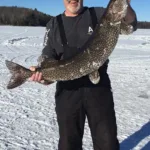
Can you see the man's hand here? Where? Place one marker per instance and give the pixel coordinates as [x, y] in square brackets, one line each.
[37, 77]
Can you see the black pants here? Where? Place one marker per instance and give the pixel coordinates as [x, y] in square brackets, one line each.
[72, 106]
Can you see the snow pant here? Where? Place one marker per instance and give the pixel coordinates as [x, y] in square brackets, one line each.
[73, 106]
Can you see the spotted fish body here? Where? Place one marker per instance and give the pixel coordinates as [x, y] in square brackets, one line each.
[96, 51]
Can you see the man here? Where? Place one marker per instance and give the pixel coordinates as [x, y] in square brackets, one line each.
[78, 99]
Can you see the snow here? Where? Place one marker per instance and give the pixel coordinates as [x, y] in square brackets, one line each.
[27, 113]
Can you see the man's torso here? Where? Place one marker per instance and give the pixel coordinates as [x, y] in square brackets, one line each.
[77, 31]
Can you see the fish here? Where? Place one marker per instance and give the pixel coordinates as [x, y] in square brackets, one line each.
[92, 56]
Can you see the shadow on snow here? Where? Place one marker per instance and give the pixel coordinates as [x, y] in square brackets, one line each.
[133, 140]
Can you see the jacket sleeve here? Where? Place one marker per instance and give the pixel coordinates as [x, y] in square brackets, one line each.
[131, 17]
[99, 12]
[48, 51]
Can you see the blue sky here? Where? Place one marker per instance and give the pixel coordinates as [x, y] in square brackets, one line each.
[54, 7]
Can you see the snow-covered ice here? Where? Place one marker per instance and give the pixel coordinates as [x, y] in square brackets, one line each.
[27, 113]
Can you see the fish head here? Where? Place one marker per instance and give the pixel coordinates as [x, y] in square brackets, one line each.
[117, 10]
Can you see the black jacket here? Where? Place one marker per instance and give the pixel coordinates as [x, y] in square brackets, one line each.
[77, 30]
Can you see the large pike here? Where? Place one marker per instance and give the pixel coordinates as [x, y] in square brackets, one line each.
[95, 52]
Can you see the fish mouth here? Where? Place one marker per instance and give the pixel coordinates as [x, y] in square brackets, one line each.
[118, 10]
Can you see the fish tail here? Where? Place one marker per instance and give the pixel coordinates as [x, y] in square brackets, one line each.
[19, 74]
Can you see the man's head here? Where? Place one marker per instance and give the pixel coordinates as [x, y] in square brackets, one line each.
[73, 6]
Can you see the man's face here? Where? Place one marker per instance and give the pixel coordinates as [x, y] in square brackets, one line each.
[73, 6]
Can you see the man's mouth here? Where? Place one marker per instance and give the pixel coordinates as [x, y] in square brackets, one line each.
[73, 1]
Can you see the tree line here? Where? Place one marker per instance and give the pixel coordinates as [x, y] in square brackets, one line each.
[144, 25]
[19, 16]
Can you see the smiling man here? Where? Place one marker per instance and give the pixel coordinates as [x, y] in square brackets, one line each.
[73, 8]
[78, 99]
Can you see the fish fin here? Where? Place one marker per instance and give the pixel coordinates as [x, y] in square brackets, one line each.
[45, 82]
[46, 62]
[126, 29]
[94, 77]
[17, 72]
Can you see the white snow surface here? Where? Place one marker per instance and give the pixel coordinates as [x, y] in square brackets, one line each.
[27, 113]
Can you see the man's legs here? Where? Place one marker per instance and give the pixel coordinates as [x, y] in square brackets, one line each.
[71, 119]
[101, 117]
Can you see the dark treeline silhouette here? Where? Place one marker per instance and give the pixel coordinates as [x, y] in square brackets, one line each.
[143, 25]
[19, 16]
